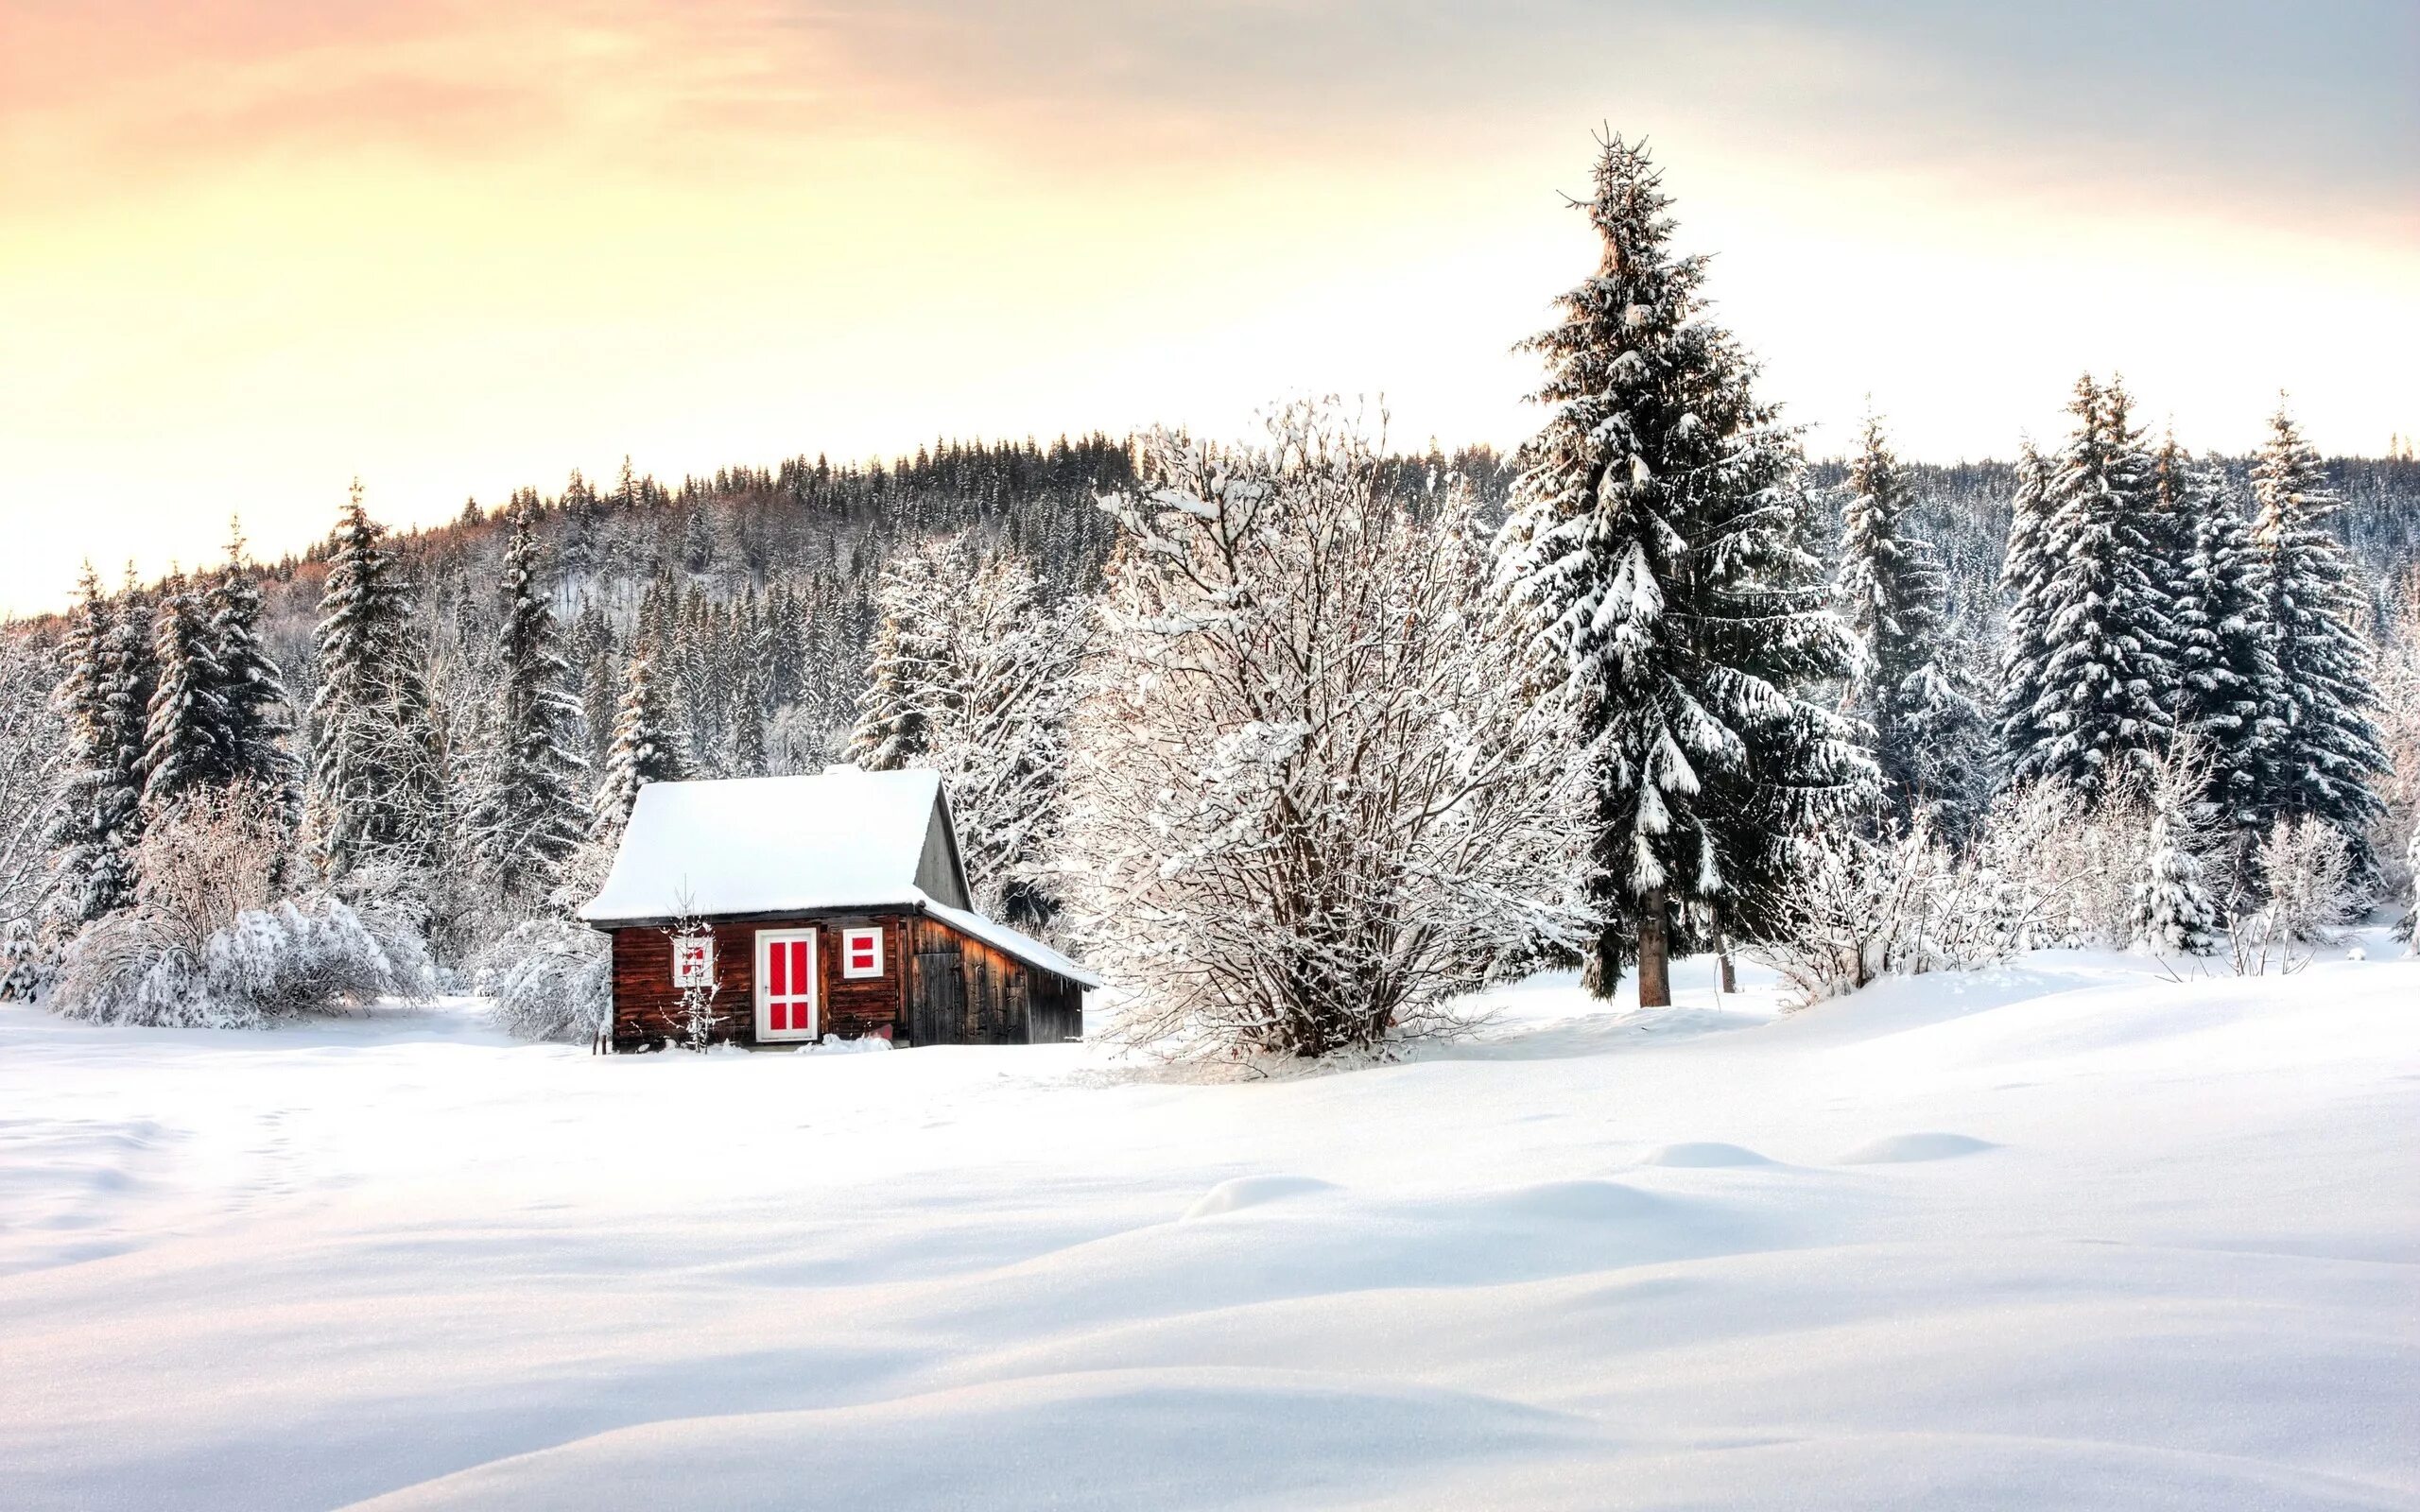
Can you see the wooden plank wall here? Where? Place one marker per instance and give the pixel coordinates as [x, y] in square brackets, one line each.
[647, 1006]
[938, 988]
[967, 993]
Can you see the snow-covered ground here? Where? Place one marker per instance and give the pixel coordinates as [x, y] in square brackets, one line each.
[2063, 1234]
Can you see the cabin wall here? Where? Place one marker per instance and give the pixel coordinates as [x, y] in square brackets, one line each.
[962, 992]
[647, 1006]
[938, 986]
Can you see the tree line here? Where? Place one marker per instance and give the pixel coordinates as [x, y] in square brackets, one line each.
[1302, 737]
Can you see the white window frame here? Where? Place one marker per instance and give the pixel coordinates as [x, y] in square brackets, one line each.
[849, 939]
[687, 972]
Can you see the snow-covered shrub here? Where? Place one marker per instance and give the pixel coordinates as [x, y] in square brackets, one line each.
[216, 855]
[2173, 911]
[206, 943]
[2068, 866]
[2309, 869]
[551, 980]
[1858, 909]
[140, 967]
[24, 974]
[2407, 928]
[1313, 796]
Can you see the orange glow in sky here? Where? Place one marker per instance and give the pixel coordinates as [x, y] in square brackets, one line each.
[251, 249]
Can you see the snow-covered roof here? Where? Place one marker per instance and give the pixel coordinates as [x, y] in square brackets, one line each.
[775, 846]
[1009, 941]
[761, 844]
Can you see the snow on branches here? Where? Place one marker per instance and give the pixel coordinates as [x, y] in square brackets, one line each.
[1657, 549]
[974, 676]
[1315, 792]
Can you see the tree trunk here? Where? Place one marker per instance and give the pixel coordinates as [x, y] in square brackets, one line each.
[1602, 971]
[1725, 981]
[1654, 952]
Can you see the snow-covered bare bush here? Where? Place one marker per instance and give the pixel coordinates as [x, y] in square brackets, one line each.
[212, 857]
[1314, 796]
[2311, 875]
[2407, 928]
[2396, 835]
[1857, 909]
[1852, 910]
[2073, 863]
[551, 979]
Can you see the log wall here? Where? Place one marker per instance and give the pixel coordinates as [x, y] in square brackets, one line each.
[938, 986]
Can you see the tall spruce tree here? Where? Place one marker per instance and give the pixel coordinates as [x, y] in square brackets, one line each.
[2327, 749]
[893, 726]
[2024, 579]
[528, 817]
[103, 700]
[378, 771]
[2107, 658]
[252, 689]
[648, 745]
[1656, 537]
[1891, 593]
[185, 727]
[2226, 675]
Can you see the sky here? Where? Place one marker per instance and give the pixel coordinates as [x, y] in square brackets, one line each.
[252, 250]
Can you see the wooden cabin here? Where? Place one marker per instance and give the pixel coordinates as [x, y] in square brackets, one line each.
[813, 905]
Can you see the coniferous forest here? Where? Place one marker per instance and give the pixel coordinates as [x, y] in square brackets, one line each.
[1656, 683]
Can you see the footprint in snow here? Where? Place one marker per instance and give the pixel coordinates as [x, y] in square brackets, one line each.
[1893, 1149]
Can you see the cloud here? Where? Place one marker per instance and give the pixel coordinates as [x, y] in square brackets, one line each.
[255, 247]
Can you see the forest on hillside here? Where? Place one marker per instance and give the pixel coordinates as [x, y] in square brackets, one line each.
[1656, 682]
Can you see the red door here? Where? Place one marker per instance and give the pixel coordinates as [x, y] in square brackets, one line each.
[786, 981]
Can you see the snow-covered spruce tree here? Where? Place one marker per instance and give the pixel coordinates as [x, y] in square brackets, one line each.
[378, 774]
[1655, 547]
[911, 651]
[1890, 591]
[250, 688]
[648, 746]
[2174, 913]
[2107, 662]
[2327, 743]
[33, 759]
[2225, 672]
[2024, 579]
[185, 728]
[1314, 795]
[974, 678]
[103, 698]
[527, 818]
[748, 756]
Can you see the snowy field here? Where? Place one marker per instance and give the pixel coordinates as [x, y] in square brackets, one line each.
[2060, 1235]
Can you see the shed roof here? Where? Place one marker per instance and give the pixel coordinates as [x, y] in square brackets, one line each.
[772, 847]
